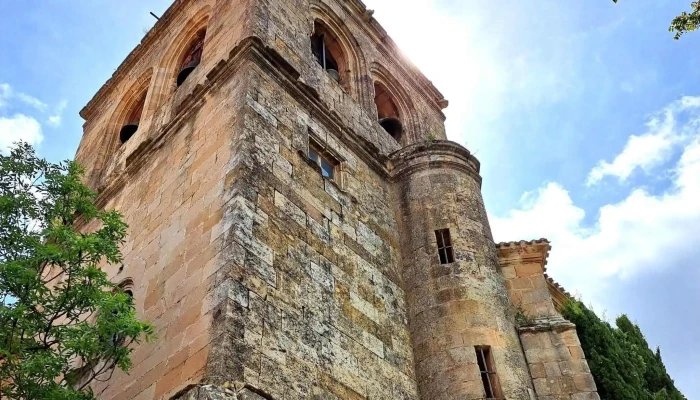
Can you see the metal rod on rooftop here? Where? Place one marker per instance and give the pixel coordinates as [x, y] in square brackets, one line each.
[155, 16]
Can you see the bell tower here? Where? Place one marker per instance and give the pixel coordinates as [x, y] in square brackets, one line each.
[299, 226]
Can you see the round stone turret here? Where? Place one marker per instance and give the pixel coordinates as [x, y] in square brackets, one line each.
[462, 325]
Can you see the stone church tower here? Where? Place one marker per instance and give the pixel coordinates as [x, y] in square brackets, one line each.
[300, 228]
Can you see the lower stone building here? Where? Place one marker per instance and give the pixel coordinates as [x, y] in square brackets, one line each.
[300, 228]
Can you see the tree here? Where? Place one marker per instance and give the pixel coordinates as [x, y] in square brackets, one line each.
[64, 325]
[657, 379]
[620, 360]
[685, 22]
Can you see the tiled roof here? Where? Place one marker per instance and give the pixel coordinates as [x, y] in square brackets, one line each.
[522, 242]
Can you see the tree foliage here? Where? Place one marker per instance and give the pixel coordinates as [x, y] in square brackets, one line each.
[622, 364]
[686, 21]
[63, 324]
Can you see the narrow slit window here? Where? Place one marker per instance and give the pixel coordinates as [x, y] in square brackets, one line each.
[489, 377]
[324, 161]
[444, 244]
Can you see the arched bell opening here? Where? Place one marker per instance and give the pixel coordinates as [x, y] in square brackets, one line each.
[191, 58]
[133, 119]
[328, 52]
[387, 112]
[393, 126]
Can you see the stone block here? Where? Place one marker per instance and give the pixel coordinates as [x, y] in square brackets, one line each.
[537, 370]
[526, 270]
[584, 382]
[566, 384]
[570, 337]
[576, 352]
[546, 386]
[508, 272]
[585, 396]
[552, 369]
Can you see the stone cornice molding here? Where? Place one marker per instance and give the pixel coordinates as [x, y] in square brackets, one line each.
[534, 251]
[554, 323]
[250, 49]
[432, 155]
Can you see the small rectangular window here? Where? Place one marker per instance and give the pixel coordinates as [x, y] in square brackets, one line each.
[324, 161]
[489, 378]
[444, 244]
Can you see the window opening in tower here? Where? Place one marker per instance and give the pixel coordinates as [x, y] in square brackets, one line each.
[193, 57]
[324, 56]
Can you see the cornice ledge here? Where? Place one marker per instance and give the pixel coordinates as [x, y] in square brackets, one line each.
[539, 251]
[253, 49]
[554, 323]
[433, 154]
[556, 286]
[89, 109]
[522, 243]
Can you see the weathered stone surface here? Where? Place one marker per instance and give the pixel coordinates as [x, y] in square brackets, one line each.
[207, 392]
[457, 306]
[266, 280]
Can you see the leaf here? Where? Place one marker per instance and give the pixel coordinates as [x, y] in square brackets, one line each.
[60, 313]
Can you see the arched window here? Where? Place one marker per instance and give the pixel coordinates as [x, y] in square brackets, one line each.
[328, 53]
[192, 57]
[127, 286]
[133, 119]
[387, 111]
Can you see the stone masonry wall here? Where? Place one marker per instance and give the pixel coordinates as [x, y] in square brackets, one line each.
[557, 364]
[251, 267]
[453, 307]
[556, 361]
[522, 266]
[309, 303]
[174, 213]
[168, 182]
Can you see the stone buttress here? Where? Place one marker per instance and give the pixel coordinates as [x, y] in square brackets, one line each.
[556, 361]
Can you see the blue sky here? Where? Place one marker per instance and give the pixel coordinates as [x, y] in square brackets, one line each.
[584, 114]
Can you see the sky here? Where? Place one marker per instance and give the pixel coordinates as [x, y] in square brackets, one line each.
[585, 116]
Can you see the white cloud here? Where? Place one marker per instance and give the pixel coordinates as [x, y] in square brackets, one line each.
[56, 119]
[5, 93]
[642, 233]
[32, 101]
[654, 147]
[19, 127]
